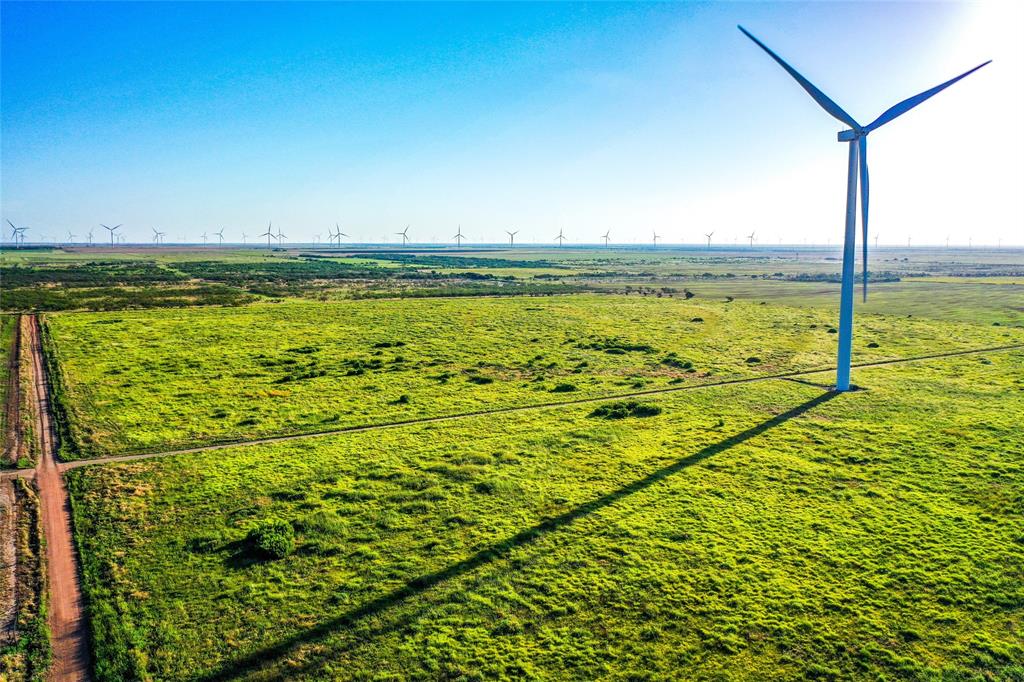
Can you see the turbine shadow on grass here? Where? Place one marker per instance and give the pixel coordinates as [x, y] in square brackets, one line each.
[498, 550]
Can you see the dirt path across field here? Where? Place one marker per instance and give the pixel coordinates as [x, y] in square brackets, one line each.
[521, 408]
[67, 624]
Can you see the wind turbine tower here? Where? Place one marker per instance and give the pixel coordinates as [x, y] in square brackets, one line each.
[856, 137]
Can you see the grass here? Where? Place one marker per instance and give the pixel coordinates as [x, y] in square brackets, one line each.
[768, 530]
[148, 380]
[7, 325]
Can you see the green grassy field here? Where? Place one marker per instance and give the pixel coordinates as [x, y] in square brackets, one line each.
[769, 530]
[137, 381]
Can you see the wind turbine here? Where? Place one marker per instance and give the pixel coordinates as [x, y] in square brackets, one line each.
[339, 234]
[17, 232]
[511, 237]
[404, 234]
[204, 237]
[157, 235]
[220, 237]
[708, 235]
[244, 237]
[280, 235]
[90, 236]
[751, 238]
[856, 136]
[606, 237]
[71, 238]
[268, 234]
[656, 238]
[560, 238]
[111, 230]
[458, 237]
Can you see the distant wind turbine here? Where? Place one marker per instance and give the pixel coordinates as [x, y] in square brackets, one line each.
[71, 237]
[111, 230]
[339, 234]
[204, 237]
[856, 136]
[17, 232]
[606, 237]
[459, 237]
[751, 238]
[280, 235]
[220, 237]
[709, 235]
[511, 237]
[268, 234]
[656, 238]
[90, 236]
[560, 238]
[244, 237]
[404, 234]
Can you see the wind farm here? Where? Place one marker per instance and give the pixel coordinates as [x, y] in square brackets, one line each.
[625, 425]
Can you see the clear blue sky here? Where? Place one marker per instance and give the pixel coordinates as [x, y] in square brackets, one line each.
[586, 117]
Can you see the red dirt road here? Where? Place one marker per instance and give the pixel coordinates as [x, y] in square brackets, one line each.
[67, 624]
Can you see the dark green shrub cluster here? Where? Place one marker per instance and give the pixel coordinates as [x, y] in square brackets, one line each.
[274, 538]
[564, 388]
[615, 346]
[625, 408]
[673, 360]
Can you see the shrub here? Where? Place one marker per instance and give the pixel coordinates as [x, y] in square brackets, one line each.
[753, 360]
[564, 388]
[625, 408]
[480, 380]
[273, 538]
[697, 319]
[872, 345]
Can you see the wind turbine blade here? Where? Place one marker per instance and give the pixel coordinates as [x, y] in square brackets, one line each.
[864, 209]
[821, 98]
[911, 102]
[11, 224]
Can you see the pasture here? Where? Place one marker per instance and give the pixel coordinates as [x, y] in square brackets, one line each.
[767, 530]
[136, 381]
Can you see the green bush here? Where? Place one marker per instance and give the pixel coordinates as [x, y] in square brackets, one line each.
[625, 408]
[274, 538]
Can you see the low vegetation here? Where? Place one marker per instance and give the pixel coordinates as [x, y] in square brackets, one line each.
[766, 530]
[148, 380]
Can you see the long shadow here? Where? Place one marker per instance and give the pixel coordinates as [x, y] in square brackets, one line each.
[499, 550]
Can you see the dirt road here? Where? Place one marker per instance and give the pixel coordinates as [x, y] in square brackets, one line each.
[67, 624]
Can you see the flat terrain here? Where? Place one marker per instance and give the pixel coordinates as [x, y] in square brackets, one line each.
[149, 380]
[769, 529]
[596, 503]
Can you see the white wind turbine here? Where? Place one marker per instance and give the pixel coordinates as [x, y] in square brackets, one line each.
[606, 236]
[111, 230]
[709, 235]
[459, 237]
[751, 238]
[404, 234]
[511, 237]
[268, 234]
[560, 238]
[220, 237]
[856, 136]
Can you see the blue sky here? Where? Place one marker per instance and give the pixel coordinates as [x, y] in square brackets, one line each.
[539, 117]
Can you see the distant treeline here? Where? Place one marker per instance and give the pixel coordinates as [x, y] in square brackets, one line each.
[464, 261]
[91, 274]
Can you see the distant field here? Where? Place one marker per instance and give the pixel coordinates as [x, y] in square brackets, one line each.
[139, 381]
[758, 531]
